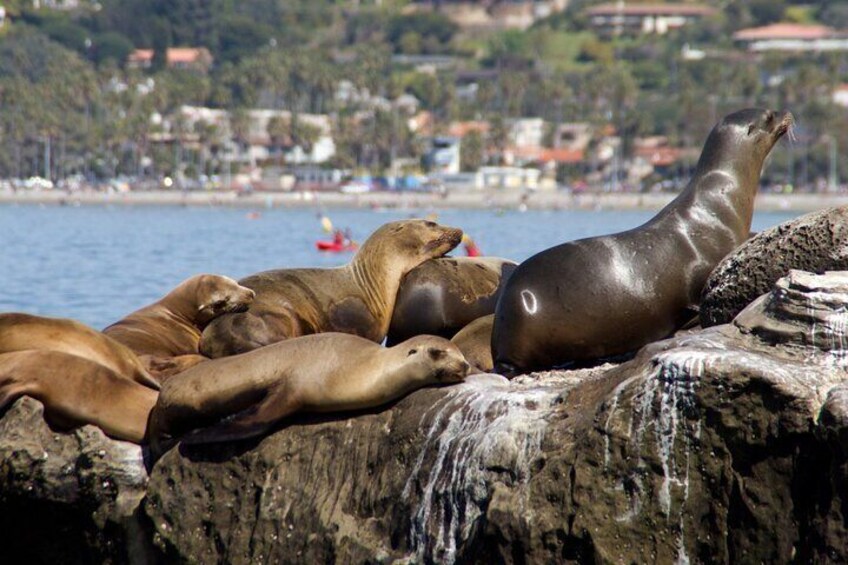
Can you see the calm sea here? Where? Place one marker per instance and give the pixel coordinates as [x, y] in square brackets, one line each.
[96, 264]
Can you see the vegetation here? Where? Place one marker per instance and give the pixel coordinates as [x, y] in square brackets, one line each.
[68, 98]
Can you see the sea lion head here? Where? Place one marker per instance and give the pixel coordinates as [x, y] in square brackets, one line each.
[417, 239]
[218, 295]
[435, 359]
[745, 138]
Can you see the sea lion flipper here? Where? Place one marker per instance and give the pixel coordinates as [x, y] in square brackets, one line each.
[247, 423]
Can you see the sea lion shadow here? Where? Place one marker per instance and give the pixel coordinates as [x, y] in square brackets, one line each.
[222, 451]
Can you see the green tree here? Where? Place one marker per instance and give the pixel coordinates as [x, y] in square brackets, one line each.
[471, 151]
[111, 46]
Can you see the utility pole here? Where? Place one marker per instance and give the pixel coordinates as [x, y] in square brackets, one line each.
[833, 181]
[47, 157]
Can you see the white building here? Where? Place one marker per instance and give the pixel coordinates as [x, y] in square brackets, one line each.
[793, 38]
[443, 155]
[615, 18]
[527, 132]
[258, 141]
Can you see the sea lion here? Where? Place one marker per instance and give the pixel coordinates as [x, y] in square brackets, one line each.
[357, 298]
[475, 342]
[166, 334]
[76, 391]
[441, 296]
[245, 395]
[19, 332]
[609, 295]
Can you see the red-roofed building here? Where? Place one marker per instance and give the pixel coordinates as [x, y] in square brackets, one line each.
[187, 58]
[616, 18]
[562, 156]
[793, 37]
[461, 129]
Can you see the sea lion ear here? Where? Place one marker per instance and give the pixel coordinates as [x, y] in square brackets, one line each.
[751, 127]
[412, 352]
[436, 353]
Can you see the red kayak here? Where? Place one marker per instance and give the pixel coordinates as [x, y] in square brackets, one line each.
[335, 247]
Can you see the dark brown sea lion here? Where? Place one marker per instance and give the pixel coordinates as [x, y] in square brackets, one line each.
[357, 298]
[167, 332]
[441, 296]
[19, 332]
[245, 395]
[475, 342]
[77, 391]
[605, 296]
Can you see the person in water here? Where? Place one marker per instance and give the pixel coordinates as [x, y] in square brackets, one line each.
[471, 249]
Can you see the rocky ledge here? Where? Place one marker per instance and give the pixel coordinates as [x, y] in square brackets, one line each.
[725, 444]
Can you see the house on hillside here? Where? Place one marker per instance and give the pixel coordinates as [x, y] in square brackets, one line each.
[56, 4]
[494, 14]
[2, 16]
[616, 18]
[197, 59]
[792, 37]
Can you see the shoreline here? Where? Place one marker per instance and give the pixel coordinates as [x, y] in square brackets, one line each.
[380, 200]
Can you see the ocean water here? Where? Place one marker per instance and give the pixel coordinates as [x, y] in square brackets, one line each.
[96, 264]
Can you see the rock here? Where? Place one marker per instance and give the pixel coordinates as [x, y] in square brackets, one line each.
[816, 242]
[68, 497]
[802, 309]
[725, 445]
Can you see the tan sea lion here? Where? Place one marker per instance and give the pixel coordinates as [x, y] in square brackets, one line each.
[605, 296]
[19, 332]
[245, 395]
[357, 298]
[76, 391]
[167, 333]
[475, 342]
[441, 296]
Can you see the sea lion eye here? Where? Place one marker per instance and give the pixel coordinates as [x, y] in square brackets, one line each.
[436, 353]
[430, 224]
[412, 352]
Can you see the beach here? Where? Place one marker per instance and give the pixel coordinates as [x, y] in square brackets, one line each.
[539, 200]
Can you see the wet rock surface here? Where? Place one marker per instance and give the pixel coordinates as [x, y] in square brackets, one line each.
[68, 497]
[727, 444]
[815, 242]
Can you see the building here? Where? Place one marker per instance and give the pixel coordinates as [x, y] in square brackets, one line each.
[255, 145]
[616, 18]
[185, 58]
[505, 178]
[443, 155]
[2, 16]
[840, 95]
[792, 37]
[493, 14]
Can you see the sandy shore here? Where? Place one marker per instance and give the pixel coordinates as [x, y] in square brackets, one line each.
[470, 200]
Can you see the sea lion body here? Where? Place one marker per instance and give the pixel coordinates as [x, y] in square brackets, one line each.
[19, 332]
[172, 325]
[357, 298]
[475, 342]
[244, 395]
[609, 295]
[76, 391]
[441, 296]
[166, 334]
